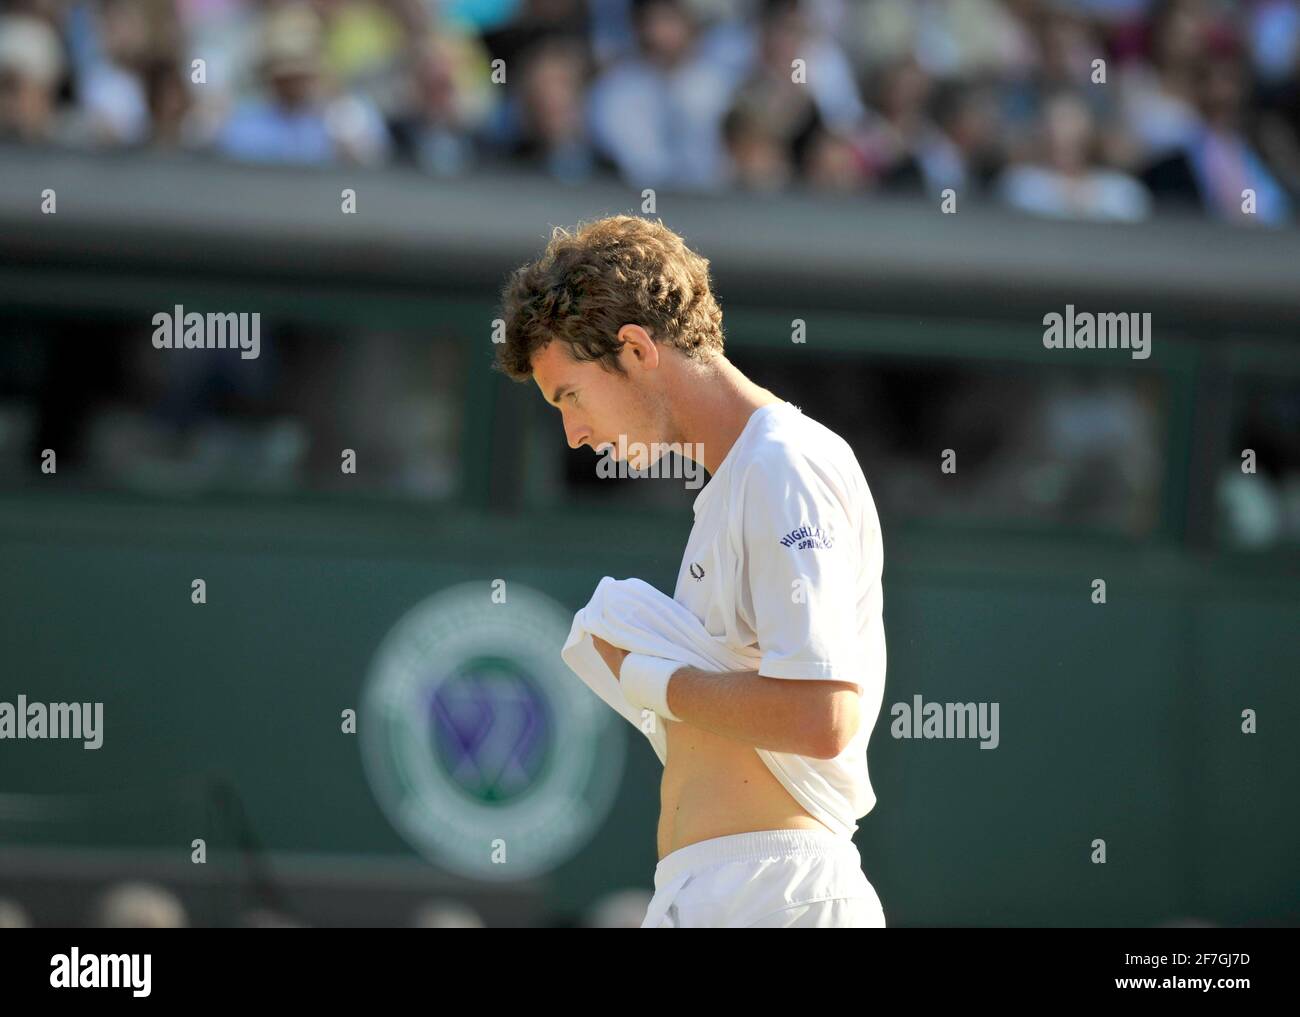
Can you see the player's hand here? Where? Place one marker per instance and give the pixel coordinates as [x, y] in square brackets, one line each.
[611, 655]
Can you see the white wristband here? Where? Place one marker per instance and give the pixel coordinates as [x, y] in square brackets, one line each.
[645, 682]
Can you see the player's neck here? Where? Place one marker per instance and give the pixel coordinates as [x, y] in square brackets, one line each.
[714, 405]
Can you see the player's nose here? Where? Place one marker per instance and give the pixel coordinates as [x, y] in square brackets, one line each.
[576, 433]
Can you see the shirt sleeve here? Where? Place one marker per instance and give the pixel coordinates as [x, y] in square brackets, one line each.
[802, 565]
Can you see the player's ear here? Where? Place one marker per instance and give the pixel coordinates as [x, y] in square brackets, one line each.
[637, 343]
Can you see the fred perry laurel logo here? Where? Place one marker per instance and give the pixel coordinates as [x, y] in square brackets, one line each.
[807, 536]
[697, 571]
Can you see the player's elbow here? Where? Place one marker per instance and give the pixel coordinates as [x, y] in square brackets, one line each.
[836, 722]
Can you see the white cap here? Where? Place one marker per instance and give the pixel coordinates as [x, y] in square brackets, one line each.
[30, 48]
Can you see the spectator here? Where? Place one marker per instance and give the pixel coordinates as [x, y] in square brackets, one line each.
[553, 128]
[1279, 129]
[297, 121]
[442, 105]
[112, 43]
[832, 163]
[1159, 98]
[788, 107]
[766, 50]
[169, 103]
[31, 68]
[658, 114]
[1065, 183]
[967, 114]
[758, 157]
[1218, 166]
[927, 140]
[912, 154]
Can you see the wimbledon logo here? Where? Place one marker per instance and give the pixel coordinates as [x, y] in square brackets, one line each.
[482, 748]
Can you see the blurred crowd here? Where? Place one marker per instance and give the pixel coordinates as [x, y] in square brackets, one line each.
[1088, 109]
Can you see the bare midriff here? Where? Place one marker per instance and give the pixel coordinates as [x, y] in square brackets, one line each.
[714, 786]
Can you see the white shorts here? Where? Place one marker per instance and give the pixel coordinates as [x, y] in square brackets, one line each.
[765, 879]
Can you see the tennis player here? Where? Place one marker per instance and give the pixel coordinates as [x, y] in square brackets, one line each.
[766, 771]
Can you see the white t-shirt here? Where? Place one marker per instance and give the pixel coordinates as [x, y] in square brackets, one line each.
[786, 556]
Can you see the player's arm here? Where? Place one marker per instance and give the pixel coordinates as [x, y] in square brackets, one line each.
[805, 718]
[808, 717]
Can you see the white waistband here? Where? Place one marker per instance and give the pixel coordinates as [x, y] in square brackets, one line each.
[751, 846]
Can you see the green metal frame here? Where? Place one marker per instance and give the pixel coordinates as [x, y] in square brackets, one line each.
[1178, 359]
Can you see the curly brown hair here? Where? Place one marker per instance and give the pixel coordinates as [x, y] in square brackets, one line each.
[605, 274]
